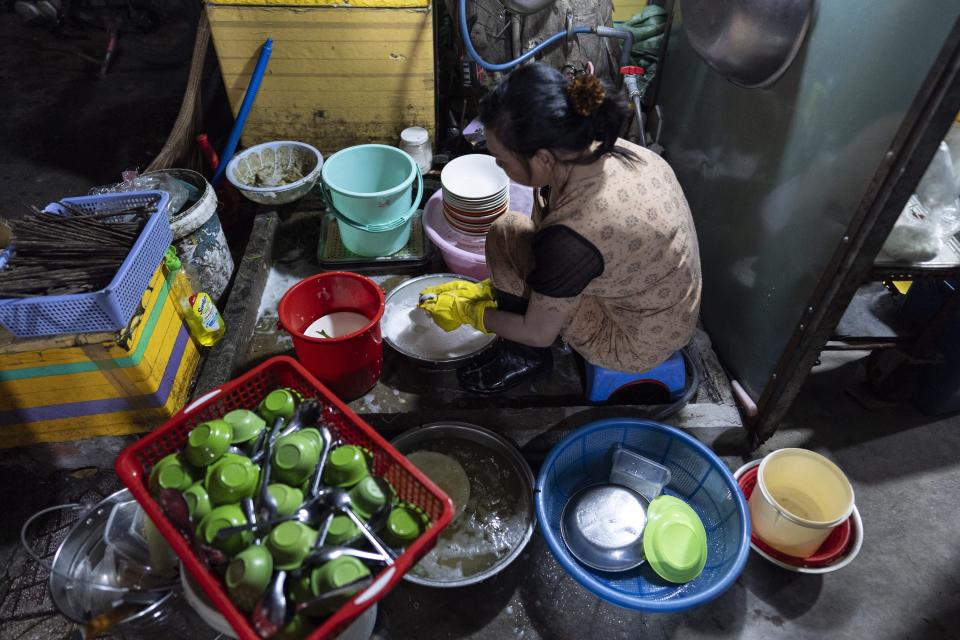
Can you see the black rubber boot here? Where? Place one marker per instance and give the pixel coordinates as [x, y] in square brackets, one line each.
[507, 366]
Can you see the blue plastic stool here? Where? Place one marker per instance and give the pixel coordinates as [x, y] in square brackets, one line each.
[603, 383]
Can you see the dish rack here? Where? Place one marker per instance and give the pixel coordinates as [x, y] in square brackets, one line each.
[411, 485]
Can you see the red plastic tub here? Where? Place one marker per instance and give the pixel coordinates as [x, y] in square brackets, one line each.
[134, 464]
[350, 365]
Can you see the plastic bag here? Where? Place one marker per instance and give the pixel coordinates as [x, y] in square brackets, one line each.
[151, 182]
[915, 237]
[937, 192]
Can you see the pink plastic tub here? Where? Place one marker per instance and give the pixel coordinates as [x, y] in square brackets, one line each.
[463, 254]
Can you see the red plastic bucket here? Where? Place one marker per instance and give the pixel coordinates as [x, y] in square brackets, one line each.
[349, 365]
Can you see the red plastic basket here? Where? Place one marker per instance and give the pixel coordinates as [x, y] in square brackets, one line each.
[134, 464]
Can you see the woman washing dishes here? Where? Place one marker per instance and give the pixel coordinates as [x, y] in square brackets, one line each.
[609, 260]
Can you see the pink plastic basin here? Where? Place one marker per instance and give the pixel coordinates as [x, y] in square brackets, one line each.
[463, 254]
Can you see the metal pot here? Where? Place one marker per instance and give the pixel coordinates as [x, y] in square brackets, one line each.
[415, 439]
[72, 590]
[391, 306]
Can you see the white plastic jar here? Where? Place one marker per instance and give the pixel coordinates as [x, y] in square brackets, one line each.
[416, 142]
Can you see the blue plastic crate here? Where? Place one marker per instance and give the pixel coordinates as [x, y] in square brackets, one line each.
[111, 308]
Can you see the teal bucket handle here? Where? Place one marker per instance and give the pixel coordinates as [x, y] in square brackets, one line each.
[375, 228]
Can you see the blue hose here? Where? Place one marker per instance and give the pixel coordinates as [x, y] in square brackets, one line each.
[506, 66]
[241, 120]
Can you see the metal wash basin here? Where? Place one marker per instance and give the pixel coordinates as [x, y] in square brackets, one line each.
[749, 42]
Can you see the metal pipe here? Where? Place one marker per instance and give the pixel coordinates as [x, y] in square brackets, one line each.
[620, 34]
[516, 47]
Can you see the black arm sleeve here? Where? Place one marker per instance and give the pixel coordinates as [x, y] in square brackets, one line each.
[564, 262]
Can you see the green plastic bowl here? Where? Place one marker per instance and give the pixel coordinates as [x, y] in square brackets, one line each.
[674, 541]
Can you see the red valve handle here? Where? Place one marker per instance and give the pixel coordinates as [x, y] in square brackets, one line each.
[632, 71]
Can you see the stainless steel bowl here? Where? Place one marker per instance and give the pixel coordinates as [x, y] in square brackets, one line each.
[603, 525]
[72, 591]
[392, 306]
[750, 42]
[421, 438]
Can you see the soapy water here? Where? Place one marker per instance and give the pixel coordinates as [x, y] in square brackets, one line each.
[495, 520]
[336, 325]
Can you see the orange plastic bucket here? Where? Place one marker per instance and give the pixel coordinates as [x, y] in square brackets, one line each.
[349, 365]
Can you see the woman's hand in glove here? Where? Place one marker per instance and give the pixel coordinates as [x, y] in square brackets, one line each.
[475, 291]
[451, 310]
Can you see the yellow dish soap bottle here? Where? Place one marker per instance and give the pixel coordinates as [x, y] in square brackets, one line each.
[197, 309]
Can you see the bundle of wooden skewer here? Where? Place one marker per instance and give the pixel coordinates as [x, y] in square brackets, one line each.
[64, 254]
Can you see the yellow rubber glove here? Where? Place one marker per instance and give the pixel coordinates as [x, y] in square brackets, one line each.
[451, 311]
[474, 291]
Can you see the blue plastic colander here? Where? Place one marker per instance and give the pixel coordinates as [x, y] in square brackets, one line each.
[698, 476]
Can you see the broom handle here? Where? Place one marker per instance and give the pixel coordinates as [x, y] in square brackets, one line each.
[245, 108]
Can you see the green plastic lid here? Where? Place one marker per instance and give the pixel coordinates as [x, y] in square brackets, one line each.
[235, 572]
[217, 520]
[403, 525]
[674, 541]
[173, 477]
[288, 455]
[367, 497]
[278, 400]
[344, 457]
[345, 570]
[287, 535]
[198, 501]
[341, 529]
[246, 424]
[200, 435]
[234, 474]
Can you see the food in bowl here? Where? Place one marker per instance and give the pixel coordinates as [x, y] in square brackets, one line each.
[275, 172]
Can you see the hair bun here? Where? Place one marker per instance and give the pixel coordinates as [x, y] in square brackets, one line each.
[586, 94]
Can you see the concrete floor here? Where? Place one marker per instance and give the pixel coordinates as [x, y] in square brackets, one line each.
[905, 467]
[905, 583]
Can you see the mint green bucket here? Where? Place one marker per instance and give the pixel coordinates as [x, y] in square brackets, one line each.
[370, 183]
[375, 240]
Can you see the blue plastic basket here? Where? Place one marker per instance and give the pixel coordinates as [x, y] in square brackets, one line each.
[111, 308]
[698, 476]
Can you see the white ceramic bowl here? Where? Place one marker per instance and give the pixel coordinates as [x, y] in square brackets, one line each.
[474, 177]
[461, 203]
[359, 629]
[273, 164]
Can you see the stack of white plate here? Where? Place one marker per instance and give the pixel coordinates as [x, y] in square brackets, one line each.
[475, 193]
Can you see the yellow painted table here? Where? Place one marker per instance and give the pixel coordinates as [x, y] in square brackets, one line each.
[87, 385]
[340, 73]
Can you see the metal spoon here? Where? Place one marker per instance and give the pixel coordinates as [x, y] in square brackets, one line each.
[377, 519]
[324, 554]
[271, 612]
[338, 498]
[310, 513]
[348, 590]
[306, 413]
[267, 628]
[267, 507]
[327, 438]
[175, 507]
[256, 452]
